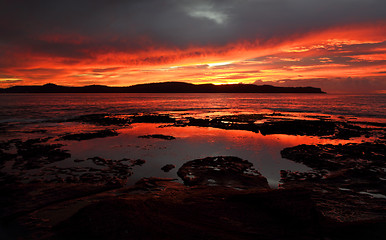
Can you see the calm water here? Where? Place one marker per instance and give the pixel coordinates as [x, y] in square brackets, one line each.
[20, 113]
[27, 107]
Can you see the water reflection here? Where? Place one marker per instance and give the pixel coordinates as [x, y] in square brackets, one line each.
[192, 143]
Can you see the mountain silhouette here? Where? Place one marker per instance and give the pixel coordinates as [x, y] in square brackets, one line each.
[164, 87]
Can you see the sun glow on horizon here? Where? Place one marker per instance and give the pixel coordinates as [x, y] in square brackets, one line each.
[352, 51]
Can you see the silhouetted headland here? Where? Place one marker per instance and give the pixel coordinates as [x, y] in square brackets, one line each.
[164, 87]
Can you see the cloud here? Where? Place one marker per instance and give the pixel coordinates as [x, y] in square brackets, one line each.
[181, 22]
[117, 40]
[335, 85]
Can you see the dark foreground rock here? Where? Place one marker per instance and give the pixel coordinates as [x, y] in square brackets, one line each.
[332, 129]
[101, 119]
[348, 181]
[274, 125]
[168, 210]
[168, 167]
[122, 120]
[90, 135]
[223, 171]
[31, 154]
[336, 157]
[157, 208]
[196, 213]
[152, 118]
[111, 172]
[299, 127]
[158, 136]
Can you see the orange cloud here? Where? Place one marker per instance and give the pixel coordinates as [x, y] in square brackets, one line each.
[357, 50]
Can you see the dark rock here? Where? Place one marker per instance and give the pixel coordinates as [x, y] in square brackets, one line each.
[168, 167]
[108, 119]
[132, 162]
[197, 213]
[114, 173]
[90, 135]
[222, 171]
[353, 188]
[323, 127]
[347, 131]
[17, 199]
[102, 119]
[153, 118]
[154, 183]
[4, 157]
[159, 136]
[36, 131]
[334, 157]
[298, 127]
[242, 118]
[100, 161]
[33, 154]
[237, 122]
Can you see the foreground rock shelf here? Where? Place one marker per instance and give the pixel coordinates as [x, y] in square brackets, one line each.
[223, 197]
[222, 171]
[348, 181]
[157, 208]
[266, 124]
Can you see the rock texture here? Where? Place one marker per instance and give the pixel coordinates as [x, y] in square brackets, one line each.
[222, 170]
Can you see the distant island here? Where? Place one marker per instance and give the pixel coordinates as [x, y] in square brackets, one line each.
[164, 87]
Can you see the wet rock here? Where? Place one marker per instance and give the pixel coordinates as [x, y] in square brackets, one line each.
[90, 135]
[359, 167]
[225, 123]
[100, 161]
[197, 213]
[33, 153]
[298, 127]
[154, 183]
[114, 173]
[168, 167]
[334, 157]
[287, 176]
[132, 162]
[346, 131]
[152, 118]
[8, 179]
[108, 119]
[323, 127]
[224, 171]
[348, 181]
[242, 118]
[138, 162]
[4, 157]
[158, 136]
[21, 198]
[36, 131]
[102, 119]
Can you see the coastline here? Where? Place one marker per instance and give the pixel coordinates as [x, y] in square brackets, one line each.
[56, 207]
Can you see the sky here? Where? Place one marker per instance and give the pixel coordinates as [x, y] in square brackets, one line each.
[338, 45]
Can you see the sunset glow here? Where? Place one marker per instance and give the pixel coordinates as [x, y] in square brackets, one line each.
[340, 50]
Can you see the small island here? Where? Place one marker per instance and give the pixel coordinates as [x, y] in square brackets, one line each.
[163, 87]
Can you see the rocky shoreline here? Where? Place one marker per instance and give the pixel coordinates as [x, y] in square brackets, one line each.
[223, 197]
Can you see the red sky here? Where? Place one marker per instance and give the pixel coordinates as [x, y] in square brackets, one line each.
[342, 55]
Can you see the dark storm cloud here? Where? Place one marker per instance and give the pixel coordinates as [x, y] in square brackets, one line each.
[175, 22]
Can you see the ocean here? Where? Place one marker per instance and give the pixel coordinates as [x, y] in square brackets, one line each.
[33, 116]
[39, 107]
